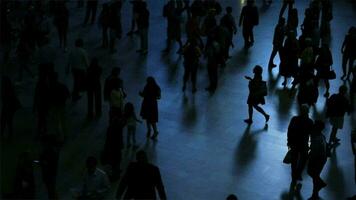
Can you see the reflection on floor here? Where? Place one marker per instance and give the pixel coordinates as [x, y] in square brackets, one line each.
[204, 150]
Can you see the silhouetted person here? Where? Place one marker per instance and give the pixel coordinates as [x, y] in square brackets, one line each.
[9, 105]
[228, 21]
[111, 154]
[307, 26]
[257, 91]
[130, 121]
[61, 22]
[299, 130]
[308, 89]
[336, 107]
[209, 23]
[326, 17]
[323, 64]
[191, 53]
[348, 50]
[149, 109]
[193, 31]
[317, 158]
[143, 22]
[232, 197]
[115, 23]
[94, 88]
[112, 80]
[59, 95]
[137, 5]
[91, 7]
[293, 21]
[197, 9]
[288, 66]
[286, 3]
[248, 19]
[141, 180]
[95, 183]
[49, 157]
[24, 178]
[213, 53]
[173, 12]
[104, 21]
[78, 63]
[278, 39]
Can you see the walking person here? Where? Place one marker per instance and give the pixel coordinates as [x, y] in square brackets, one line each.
[191, 53]
[213, 53]
[115, 27]
[131, 121]
[173, 12]
[9, 105]
[228, 21]
[143, 26]
[336, 107]
[141, 180]
[323, 64]
[112, 80]
[248, 19]
[317, 158]
[91, 7]
[299, 130]
[104, 21]
[61, 22]
[278, 39]
[94, 88]
[149, 109]
[348, 50]
[137, 6]
[78, 63]
[257, 92]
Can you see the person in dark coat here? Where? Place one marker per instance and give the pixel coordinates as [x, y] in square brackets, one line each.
[61, 22]
[143, 23]
[228, 21]
[112, 80]
[317, 158]
[293, 21]
[49, 164]
[149, 109]
[111, 154]
[141, 180]
[213, 53]
[289, 58]
[323, 64]
[248, 19]
[278, 39]
[336, 107]
[257, 91]
[92, 6]
[94, 88]
[191, 53]
[308, 89]
[348, 50]
[24, 179]
[10, 104]
[299, 130]
[209, 23]
[115, 23]
[173, 12]
[104, 21]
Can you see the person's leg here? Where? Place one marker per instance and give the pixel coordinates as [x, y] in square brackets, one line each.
[250, 114]
[148, 129]
[245, 35]
[260, 110]
[273, 54]
[155, 131]
[344, 64]
[351, 65]
[214, 76]
[90, 94]
[332, 138]
[186, 75]
[252, 38]
[112, 33]
[193, 75]
[75, 92]
[327, 86]
[133, 135]
[128, 137]
[145, 39]
[294, 164]
[98, 103]
[303, 157]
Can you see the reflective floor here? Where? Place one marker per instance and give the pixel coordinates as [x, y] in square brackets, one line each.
[204, 150]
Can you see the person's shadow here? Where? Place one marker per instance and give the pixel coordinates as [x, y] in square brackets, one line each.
[172, 67]
[189, 116]
[291, 194]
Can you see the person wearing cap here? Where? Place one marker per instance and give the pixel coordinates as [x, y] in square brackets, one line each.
[258, 90]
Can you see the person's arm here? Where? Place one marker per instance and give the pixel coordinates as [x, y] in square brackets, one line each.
[159, 185]
[343, 45]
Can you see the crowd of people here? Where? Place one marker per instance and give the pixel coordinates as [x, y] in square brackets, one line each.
[305, 58]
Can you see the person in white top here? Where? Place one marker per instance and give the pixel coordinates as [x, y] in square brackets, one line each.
[77, 63]
[96, 183]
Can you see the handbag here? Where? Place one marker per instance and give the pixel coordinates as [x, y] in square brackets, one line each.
[288, 157]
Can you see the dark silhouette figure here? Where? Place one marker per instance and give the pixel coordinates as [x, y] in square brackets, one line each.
[293, 21]
[173, 12]
[323, 64]
[191, 53]
[94, 88]
[289, 58]
[193, 31]
[49, 163]
[348, 52]
[213, 53]
[131, 120]
[92, 6]
[286, 3]
[209, 23]
[115, 26]
[228, 21]
[78, 63]
[353, 147]
[104, 21]
[10, 104]
[111, 154]
[117, 97]
[61, 22]
[257, 91]
[149, 109]
[248, 19]
[141, 180]
[24, 178]
[278, 39]
[317, 158]
[143, 26]
[213, 5]
[137, 6]
[299, 130]
[110, 82]
[326, 17]
[336, 107]
[232, 197]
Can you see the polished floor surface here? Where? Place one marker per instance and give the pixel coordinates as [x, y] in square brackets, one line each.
[204, 149]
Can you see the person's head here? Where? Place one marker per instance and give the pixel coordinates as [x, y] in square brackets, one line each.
[257, 70]
[318, 126]
[232, 197]
[151, 81]
[343, 89]
[229, 10]
[141, 156]
[282, 21]
[91, 164]
[79, 42]
[250, 2]
[352, 30]
[129, 108]
[116, 71]
[304, 110]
